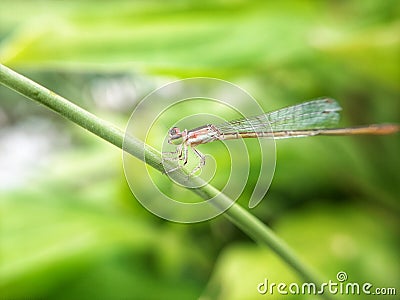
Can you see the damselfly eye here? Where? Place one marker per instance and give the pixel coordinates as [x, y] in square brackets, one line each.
[174, 131]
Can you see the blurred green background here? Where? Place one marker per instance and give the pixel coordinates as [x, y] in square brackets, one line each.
[70, 227]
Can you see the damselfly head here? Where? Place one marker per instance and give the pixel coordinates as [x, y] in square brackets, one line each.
[174, 135]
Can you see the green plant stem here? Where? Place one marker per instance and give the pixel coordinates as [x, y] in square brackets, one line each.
[238, 215]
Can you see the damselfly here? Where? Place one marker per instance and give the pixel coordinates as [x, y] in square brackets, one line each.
[311, 118]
